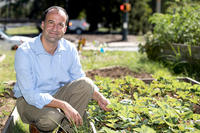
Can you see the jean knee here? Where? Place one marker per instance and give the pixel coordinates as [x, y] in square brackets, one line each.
[49, 121]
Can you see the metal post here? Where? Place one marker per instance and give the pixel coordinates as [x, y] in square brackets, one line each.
[125, 24]
[158, 6]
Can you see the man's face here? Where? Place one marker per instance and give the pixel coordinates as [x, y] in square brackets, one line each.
[54, 26]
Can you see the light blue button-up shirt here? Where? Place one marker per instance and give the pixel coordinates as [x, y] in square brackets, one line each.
[39, 74]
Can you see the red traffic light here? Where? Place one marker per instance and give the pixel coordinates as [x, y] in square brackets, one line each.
[125, 7]
[122, 7]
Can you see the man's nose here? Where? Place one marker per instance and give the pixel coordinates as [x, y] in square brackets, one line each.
[55, 27]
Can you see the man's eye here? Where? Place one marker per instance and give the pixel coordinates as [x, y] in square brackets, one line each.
[61, 25]
[50, 22]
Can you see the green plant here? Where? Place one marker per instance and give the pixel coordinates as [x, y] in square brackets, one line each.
[20, 127]
[180, 26]
[164, 105]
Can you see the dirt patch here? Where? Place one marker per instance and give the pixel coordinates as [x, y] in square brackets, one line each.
[116, 72]
[7, 104]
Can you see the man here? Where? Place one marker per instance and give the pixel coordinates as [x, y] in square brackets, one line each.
[51, 85]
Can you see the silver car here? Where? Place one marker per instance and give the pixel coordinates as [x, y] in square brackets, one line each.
[78, 26]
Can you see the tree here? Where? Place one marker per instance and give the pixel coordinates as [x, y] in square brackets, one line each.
[138, 16]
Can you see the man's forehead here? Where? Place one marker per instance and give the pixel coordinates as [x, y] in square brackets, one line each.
[56, 11]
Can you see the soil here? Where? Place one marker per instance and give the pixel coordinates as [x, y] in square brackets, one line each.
[7, 104]
[116, 72]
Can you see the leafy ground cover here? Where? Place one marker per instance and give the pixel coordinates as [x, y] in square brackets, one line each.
[164, 105]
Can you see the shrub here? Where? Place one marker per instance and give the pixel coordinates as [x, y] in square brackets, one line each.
[176, 27]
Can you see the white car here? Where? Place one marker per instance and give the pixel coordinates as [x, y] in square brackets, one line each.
[15, 41]
[78, 26]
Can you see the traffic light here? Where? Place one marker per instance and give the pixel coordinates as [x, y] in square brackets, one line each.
[125, 7]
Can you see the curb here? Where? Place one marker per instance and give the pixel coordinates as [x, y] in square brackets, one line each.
[11, 121]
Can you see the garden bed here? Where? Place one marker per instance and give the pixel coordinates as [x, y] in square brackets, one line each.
[7, 101]
[116, 74]
[185, 51]
[163, 104]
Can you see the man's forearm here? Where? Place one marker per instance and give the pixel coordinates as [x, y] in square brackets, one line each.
[97, 95]
[56, 103]
[71, 113]
[102, 101]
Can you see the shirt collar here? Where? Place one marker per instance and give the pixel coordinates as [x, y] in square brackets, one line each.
[39, 49]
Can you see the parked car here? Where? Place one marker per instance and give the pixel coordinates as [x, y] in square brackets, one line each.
[78, 26]
[15, 41]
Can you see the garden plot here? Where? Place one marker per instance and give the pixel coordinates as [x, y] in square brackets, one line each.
[166, 104]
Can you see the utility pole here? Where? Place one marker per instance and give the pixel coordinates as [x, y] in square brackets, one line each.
[125, 7]
[158, 6]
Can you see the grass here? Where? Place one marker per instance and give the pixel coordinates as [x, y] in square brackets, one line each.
[20, 127]
[133, 60]
[7, 71]
[90, 60]
[22, 30]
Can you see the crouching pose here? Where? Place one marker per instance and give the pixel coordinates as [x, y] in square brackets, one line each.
[51, 87]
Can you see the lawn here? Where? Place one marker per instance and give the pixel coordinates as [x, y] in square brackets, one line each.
[22, 30]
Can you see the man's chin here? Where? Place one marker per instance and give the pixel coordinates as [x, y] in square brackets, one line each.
[53, 40]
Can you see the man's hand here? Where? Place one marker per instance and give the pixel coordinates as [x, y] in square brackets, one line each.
[102, 101]
[72, 114]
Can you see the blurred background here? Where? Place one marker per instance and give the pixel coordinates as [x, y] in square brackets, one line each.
[102, 16]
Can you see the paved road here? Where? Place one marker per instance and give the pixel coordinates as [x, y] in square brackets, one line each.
[113, 46]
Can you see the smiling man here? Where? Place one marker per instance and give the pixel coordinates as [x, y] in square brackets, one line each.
[51, 87]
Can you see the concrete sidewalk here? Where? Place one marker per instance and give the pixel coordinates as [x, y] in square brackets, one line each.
[113, 46]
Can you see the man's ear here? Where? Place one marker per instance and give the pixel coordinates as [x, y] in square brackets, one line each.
[65, 28]
[42, 25]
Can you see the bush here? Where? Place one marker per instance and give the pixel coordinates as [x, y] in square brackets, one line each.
[176, 27]
[138, 16]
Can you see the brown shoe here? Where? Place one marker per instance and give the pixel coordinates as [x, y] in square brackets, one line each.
[33, 129]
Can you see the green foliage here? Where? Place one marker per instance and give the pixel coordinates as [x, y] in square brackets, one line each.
[20, 127]
[164, 105]
[7, 71]
[138, 16]
[14, 9]
[180, 26]
[3, 89]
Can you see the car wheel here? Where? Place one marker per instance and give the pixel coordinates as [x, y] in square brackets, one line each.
[78, 31]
